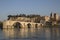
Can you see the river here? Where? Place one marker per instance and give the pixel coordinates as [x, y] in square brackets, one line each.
[30, 34]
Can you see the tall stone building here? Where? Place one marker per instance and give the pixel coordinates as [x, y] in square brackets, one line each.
[54, 16]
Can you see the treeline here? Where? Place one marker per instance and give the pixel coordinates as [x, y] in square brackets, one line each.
[24, 15]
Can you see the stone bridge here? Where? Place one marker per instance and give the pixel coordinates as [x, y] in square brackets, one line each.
[19, 24]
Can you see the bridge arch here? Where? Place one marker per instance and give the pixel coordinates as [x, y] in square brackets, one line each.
[36, 25]
[29, 25]
[17, 25]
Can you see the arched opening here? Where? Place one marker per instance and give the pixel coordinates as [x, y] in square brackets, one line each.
[1, 25]
[36, 25]
[17, 25]
[29, 25]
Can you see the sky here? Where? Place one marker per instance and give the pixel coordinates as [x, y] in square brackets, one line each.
[40, 7]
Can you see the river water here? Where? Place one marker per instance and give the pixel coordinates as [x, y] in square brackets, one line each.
[30, 34]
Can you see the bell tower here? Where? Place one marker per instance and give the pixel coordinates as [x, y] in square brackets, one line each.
[51, 16]
[54, 16]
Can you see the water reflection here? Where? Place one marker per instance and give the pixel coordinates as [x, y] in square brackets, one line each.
[33, 34]
[55, 33]
[9, 32]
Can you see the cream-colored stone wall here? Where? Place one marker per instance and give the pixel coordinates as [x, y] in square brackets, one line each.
[9, 24]
[57, 17]
[47, 18]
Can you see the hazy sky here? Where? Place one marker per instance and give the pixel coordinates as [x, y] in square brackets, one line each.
[41, 7]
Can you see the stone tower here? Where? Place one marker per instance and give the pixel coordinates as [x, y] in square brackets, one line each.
[54, 16]
[51, 16]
